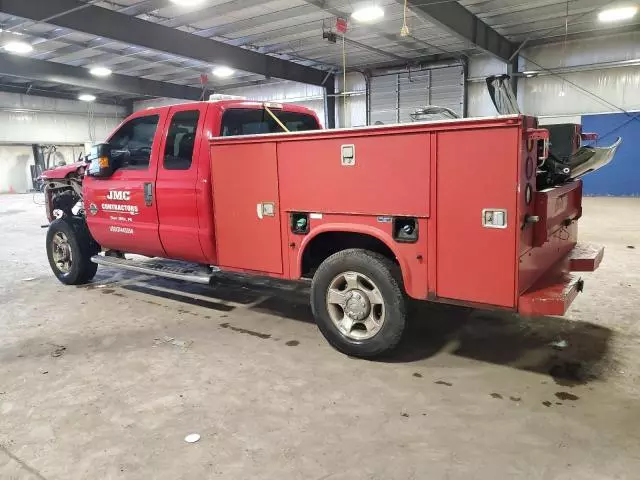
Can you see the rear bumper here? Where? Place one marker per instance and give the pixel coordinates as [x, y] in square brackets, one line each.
[554, 292]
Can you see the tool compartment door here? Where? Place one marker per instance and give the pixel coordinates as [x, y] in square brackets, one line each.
[477, 172]
[246, 206]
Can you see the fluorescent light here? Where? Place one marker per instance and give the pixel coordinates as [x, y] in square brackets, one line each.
[186, 3]
[87, 97]
[368, 14]
[100, 71]
[530, 74]
[617, 14]
[18, 47]
[223, 72]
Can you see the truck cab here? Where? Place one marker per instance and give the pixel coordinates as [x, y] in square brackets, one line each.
[158, 199]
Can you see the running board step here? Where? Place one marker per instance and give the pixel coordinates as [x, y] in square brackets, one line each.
[157, 268]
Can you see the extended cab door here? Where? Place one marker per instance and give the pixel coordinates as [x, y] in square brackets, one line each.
[183, 144]
[121, 210]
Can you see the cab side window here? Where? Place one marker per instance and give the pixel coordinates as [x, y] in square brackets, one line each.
[178, 150]
[134, 141]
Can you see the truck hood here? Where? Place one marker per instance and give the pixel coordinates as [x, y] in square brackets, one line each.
[61, 172]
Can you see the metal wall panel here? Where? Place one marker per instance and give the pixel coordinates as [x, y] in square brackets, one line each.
[447, 88]
[415, 90]
[384, 99]
[28, 119]
[395, 96]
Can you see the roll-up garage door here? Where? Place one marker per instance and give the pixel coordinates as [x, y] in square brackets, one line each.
[395, 96]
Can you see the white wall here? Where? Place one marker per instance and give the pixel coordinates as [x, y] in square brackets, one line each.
[478, 101]
[156, 102]
[596, 65]
[15, 174]
[349, 113]
[28, 119]
[604, 67]
[309, 96]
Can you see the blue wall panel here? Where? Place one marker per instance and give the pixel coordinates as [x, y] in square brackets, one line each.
[622, 176]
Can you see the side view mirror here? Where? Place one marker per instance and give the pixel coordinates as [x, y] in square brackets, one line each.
[103, 160]
[100, 161]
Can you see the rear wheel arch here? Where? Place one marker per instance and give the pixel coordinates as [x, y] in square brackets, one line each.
[327, 240]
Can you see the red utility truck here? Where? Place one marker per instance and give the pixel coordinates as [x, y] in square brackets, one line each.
[445, 211]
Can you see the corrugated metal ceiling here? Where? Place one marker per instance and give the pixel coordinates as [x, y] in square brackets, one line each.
[292, 29]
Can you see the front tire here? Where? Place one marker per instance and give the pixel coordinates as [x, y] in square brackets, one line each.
[358, 303]
[69, 250]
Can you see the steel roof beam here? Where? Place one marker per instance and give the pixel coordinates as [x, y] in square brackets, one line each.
[43, 71]
[35, 91]
[127, 29]
[460, 22]
[409, 42]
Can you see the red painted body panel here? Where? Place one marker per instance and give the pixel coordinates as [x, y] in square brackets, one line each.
[551, 295]
[135, 233]
[556, 207]
[557, 288]
[176, 196]
[390, 175]
[204, 192]
[410, 256]
[536, 261]
[442, 173]
[585, 257]
[244, 179]
[527, 165]
[480, 270]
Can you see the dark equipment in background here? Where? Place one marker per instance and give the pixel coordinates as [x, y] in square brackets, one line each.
[432, 113]
[568, 159]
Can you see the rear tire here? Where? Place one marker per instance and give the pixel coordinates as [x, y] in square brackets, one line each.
[69, 250]
[358, 302]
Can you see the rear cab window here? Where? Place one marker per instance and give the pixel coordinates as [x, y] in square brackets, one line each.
[252, 121]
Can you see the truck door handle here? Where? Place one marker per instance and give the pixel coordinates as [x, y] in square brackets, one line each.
[148, 194]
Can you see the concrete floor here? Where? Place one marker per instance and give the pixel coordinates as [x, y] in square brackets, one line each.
[93, 387]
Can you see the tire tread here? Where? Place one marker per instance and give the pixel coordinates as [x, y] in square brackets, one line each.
[390, 273]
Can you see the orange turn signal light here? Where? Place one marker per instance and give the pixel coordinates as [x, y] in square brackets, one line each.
[103, 162]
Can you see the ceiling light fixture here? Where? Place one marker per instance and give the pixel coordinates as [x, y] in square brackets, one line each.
[100, 71]
[223, 72]
[368, 14]
[617, 14]
[186, 3]
[20, 48]
[87, 97]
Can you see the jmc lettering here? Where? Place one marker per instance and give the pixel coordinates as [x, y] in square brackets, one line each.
[119, 195]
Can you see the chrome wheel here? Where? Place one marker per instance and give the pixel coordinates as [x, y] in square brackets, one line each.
[355, 305]
[61, 251]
